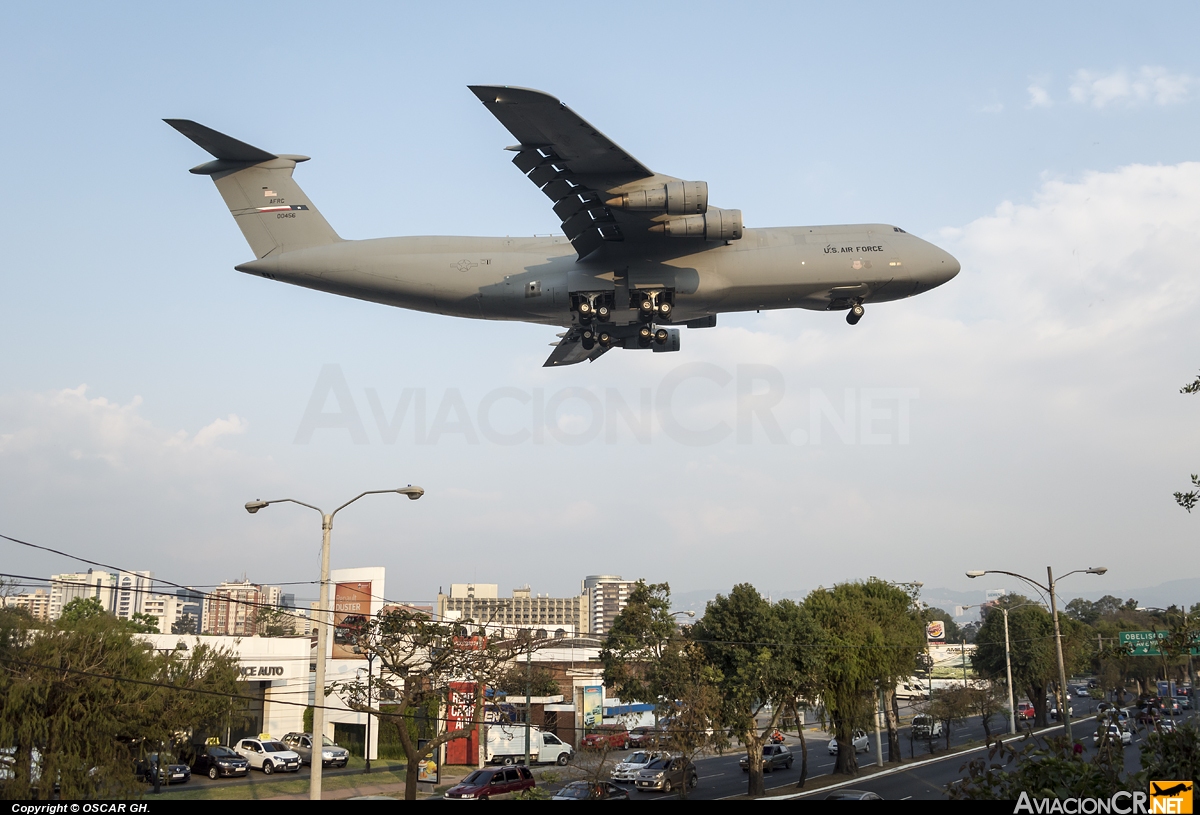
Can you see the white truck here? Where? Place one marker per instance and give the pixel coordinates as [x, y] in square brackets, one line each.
[506, 745]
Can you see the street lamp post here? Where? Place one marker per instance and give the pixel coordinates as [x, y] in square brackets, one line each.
[323, 623]
[1064, 712]
[367, 748]
[1012, 706]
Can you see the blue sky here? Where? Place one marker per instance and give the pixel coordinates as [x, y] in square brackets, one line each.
[1048, 421]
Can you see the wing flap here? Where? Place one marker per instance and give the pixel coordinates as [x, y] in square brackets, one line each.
[570, 351]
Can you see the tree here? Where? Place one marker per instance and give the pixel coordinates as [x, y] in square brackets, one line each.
[987, 701]
[418, 660]
[541, 682]
[141, 623]
[80, 609]
[648, 659]
[1188, 499]
[275, 622]
[186, 624]
[1031, 639]
[81, 699]
[872, 635]
[949, 706]
[759, 651]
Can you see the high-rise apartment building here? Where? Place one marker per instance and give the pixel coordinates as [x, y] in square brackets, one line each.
[606, 596]
[232, 608]
[67, 587]
[36, 602]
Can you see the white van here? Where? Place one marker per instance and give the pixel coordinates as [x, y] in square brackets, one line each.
[506, 745]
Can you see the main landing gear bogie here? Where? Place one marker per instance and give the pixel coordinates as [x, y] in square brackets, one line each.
[593, 307]
[656, 306]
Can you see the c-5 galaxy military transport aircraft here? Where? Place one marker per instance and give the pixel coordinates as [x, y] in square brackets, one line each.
[642, 251]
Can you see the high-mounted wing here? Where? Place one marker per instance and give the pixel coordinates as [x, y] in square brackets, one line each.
[569, 350]
[600, 193]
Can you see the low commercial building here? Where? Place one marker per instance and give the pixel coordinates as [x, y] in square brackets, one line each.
[275, 687]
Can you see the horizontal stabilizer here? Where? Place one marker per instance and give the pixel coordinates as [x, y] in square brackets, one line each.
[218, 145]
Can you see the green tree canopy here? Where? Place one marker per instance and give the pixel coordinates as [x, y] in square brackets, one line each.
[81, 698]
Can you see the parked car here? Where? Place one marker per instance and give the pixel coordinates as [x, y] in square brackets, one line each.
[492, 782]
[629, 767]
[268, 755]
[217, 760]
[591, 791]
[666, 774]
[613, 736]
[774, 756]
[171, 772]
[861, 743]
[1115, 733]
[926, 727]
[332, 755]
[645, 736]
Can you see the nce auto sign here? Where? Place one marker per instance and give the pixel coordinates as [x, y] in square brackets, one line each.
[262, 670]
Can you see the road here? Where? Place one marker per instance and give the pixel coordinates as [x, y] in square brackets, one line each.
[721, 777]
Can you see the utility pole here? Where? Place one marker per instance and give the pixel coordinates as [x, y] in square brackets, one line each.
[528, 696]
[963, 646]
[1064, 712]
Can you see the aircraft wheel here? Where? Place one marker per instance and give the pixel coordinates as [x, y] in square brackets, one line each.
[585, 309]
[602, 312]
[605, 339]
[855, 314]
[645, 335]
[664, 310]
[647, 309]
[588, 345]
[660, 336]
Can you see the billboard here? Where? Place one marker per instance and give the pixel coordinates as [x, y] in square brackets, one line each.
[935, 631]
[351, 611]
[593, 706]
[460, 710]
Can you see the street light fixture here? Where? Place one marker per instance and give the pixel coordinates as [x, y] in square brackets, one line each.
[323, 623]
[1012, 707]
[1064, 711]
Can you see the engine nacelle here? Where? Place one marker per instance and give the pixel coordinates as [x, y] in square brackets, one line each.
[676, 198]
[715, 225]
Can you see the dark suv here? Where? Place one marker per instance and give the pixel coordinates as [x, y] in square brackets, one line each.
[492, 782]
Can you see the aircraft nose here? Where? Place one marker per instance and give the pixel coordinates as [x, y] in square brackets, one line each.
[942, 268]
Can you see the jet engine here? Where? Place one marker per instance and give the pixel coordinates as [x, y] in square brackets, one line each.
[676, 198]
[715, 225]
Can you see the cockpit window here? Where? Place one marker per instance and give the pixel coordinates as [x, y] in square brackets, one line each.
[898, 229]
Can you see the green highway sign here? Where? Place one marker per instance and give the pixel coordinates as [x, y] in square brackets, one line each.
[1145, 643]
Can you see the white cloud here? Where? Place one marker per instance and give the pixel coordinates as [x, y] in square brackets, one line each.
[994, 107]
[1149, 84]
[1039, 97]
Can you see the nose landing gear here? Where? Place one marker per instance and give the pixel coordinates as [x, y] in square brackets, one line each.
[855, 314]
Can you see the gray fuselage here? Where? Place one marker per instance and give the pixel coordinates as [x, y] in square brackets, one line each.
[532, 279]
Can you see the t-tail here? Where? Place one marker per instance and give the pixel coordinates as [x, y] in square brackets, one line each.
[274, 214]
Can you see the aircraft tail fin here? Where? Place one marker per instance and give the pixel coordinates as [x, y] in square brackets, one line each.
[274, 214]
